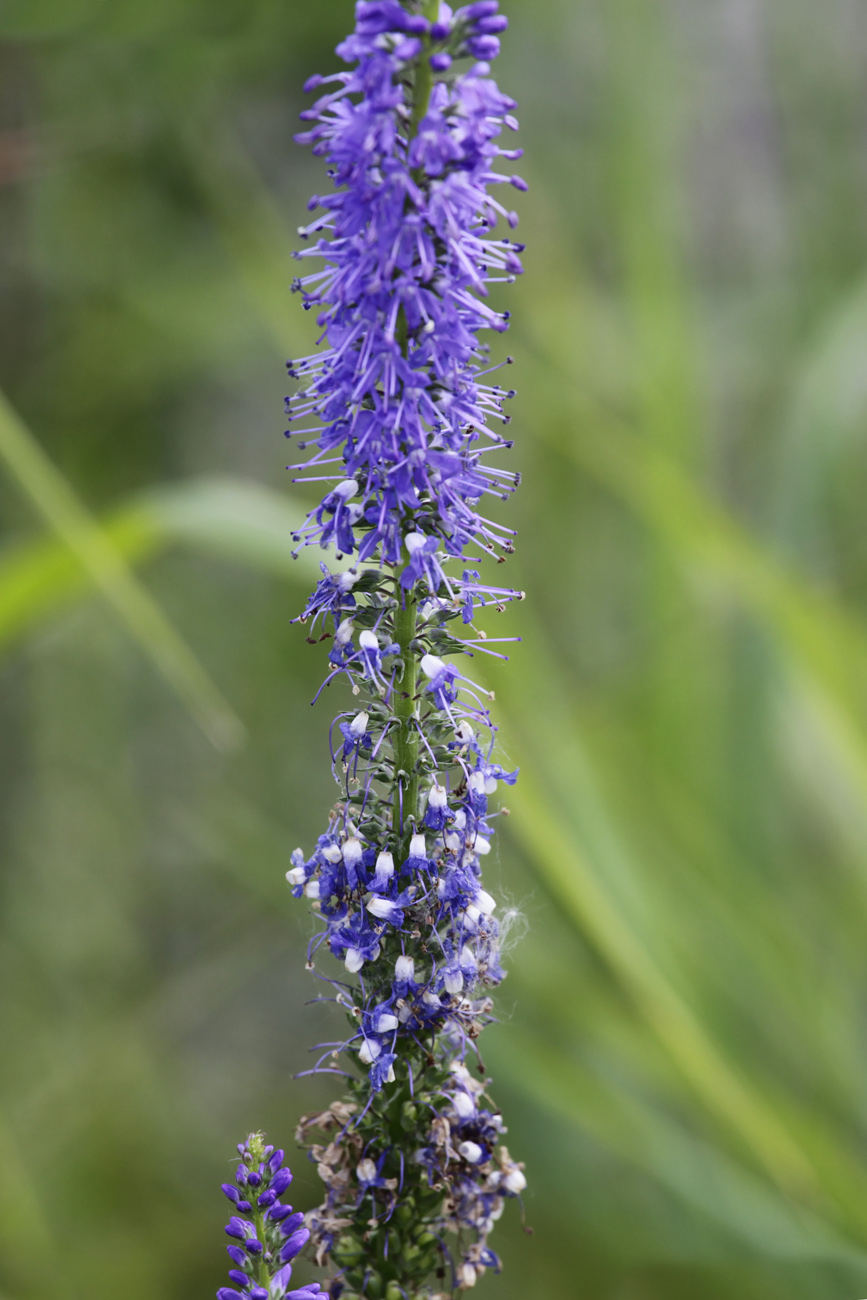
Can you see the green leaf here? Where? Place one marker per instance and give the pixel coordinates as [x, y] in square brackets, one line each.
[99, 557]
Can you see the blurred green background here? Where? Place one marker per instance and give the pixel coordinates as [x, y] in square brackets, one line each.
[682, 1049]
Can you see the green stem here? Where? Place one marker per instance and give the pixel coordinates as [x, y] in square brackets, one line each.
[406, 739]
[264, 1270]
[423, 74]
[405, 743]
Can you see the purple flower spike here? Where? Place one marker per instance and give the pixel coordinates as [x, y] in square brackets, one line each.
[261, 1235]
[398, 418]
[397, 389]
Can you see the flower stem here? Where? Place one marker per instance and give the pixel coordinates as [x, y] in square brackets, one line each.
[406, 738]
[423, 74]
[406, 741]
[264, 1270]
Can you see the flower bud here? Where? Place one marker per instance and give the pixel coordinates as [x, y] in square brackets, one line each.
[352, 851]
[385, 865]
[471, 1152]
[365, 1170]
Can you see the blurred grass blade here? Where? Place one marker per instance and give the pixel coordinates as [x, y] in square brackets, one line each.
[240, 521]
[61, 509]
[822, 645]
[699, 1174]
[24, 1227]
[575, 882]
[823, 421]
[823, 637]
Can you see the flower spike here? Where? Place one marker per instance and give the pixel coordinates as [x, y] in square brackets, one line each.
[265, 1234]
[395, 414]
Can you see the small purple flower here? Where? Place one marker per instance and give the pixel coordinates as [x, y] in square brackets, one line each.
[437, 811]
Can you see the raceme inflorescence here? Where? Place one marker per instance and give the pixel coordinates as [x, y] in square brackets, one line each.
[265, 1234]
[399, 413]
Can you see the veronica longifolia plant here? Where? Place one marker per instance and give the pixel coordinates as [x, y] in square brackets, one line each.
[396, 413]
